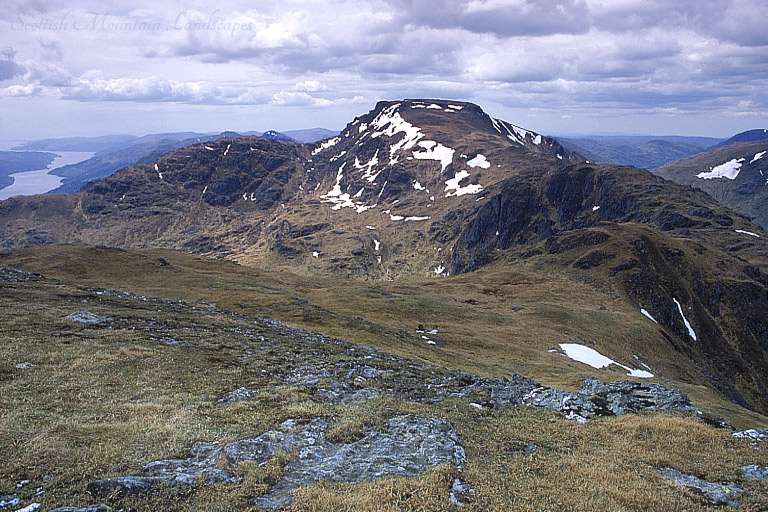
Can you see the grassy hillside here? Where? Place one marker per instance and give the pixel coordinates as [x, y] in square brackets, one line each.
[82, 402]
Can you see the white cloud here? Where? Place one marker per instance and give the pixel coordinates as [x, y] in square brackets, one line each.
[20, 91]
[299, 99]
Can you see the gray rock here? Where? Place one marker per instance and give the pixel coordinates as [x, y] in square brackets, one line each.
[9, 500]
[753, 472]
[718, 494]
[407, 447]
[628, 396]
[237, 395]
[461, 493]
[91, 508]
[597, 398]
[511, 392]
[754, 434]
[291, 436]
[123, 486]
[86, 317]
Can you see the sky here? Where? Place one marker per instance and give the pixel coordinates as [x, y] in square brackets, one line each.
[659, 67]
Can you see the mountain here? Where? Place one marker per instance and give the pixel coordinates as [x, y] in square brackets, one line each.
[273, 135]
[311, 134]
[735, 173]
[89, 144]
[117, 152]
[431, 188]
[646, 152]
[748, 136]
[139, 150]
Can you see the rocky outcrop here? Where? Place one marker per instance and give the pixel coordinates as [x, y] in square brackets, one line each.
[407, 446]
[718, 494]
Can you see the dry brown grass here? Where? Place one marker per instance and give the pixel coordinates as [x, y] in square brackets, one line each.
[100, 402]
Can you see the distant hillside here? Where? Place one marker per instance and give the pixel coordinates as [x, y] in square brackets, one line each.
[113, 152]
[758, 135]
[735, 173]
[92, 144]
[140, 150]
[310, 135]
[645, 152]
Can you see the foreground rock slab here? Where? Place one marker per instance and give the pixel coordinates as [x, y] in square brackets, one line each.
[718, 494]
[407, 446]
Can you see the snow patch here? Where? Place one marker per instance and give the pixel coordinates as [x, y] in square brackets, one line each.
[315, 254]
[389, 122]
[334, 158]
[758, 156]
[728, 170]
[685, 320]
[376, 245]
[595, 208]
[595, 359]
[325, 145]
[209, 148]
[227, 150]
[418, 186]
[453, 188]
[435, 151]
[648, 315]
[747, 233]
[417, 218]
[439, 269]
[479, 161]
[368, 168]
[341, 199]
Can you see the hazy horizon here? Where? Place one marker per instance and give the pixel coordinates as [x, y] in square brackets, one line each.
[552, 66]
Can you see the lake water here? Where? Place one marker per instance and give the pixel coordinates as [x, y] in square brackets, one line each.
[39, 182]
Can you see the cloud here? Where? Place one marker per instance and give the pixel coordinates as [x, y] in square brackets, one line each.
[310, 86]
[506, 18]
[21, 91]
[299, 99]
[9, 69]
[160, 89]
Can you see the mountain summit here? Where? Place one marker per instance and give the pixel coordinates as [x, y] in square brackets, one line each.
[432, 188]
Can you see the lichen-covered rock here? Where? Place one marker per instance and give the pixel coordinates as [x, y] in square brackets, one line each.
[237, 395]
[718, 494]
[91, 508]
[86, 317]
[123, 486]
[597, 398]
[408, 446]
[753, 472]
[461, 493]
[293, 435]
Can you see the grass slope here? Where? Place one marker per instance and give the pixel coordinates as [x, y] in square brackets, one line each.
[85, 402]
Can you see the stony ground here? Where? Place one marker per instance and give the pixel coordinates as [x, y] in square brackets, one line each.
[258, 414]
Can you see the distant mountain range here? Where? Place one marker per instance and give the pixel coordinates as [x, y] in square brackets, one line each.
[735, 173]
[113, 152]
[435, 188]
[645, 152]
